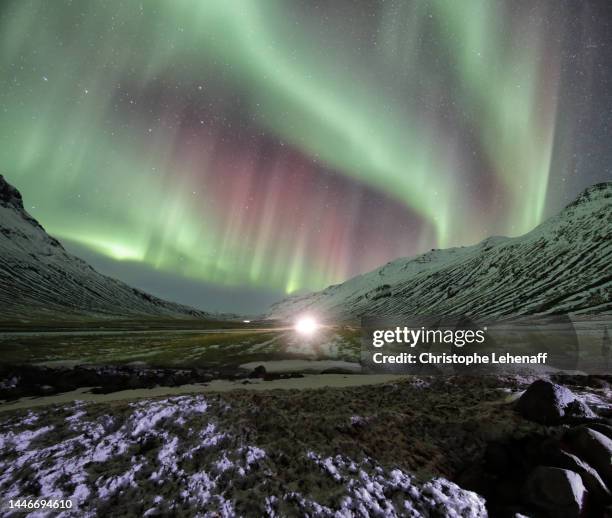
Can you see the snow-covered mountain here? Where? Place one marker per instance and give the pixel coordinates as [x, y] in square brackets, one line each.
[563, 265]
[40, 280]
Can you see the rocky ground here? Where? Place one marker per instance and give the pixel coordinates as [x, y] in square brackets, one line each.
[18, 381]
[418, 447]
[563, 469]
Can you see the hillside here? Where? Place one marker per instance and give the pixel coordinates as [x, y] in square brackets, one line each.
[563, 265]
[39, 280]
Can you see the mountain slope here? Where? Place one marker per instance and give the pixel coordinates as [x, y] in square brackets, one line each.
[40, 280]
[563, 265]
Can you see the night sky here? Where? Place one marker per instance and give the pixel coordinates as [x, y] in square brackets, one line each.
[225, 153]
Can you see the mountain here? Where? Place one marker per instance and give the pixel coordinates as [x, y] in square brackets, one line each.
[39, 280]
[563, 265]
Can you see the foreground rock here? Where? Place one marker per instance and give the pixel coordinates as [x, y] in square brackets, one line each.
[562, 467]
[595, 448]
[557, 491]
[548, 403]
[589, 475]
[604, 429]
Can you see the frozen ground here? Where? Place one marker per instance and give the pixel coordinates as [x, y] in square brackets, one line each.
[172, 455]
[374, 450]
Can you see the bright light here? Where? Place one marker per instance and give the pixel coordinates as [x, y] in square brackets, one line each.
[247, 321]
[306, 325]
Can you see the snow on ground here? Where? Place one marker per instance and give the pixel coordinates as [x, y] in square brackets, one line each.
[370, 490]
[119, 451]
[176, 456]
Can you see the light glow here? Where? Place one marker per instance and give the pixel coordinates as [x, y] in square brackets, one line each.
[306, 326]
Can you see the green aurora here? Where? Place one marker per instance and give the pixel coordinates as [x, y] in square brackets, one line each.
[238, 142]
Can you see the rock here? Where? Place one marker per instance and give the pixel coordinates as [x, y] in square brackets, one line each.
[594, 447]
[258, 372]
[497, 459]
[605, 429]
[558, 492]
[597, 382]
[578, 409]
[590, 478]
[548, 403]
[9, 195]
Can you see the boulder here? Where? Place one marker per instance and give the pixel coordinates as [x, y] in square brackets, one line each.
[548, 403]
[558, 492]
[590, 478]
[258, 372]
[605, 429]
[593, 447]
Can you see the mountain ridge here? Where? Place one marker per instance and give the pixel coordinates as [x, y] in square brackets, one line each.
[39, 279]
[562, 265]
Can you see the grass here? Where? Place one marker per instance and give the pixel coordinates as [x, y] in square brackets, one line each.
[304, 438]
[176, 349]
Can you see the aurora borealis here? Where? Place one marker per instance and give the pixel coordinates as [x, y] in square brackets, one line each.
[284, 145]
